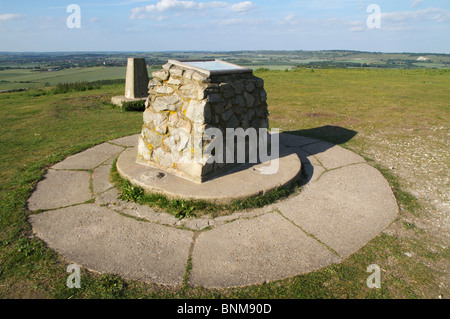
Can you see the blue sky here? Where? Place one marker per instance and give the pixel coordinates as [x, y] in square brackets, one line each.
[225, 25]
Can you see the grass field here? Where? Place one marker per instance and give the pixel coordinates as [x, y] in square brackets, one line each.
[401, 118]
[26, 78]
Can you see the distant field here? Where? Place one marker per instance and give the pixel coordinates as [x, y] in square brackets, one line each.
[40, 79]
[400, 118]
[29, 70]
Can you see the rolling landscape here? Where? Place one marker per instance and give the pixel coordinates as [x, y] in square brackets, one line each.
[400, 114]
[39, 70]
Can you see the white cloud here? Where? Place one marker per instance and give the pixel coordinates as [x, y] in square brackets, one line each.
[290, 19]
[10, 16]
[415, 3]
[434, 14]
[175, 5]
[241, 21]
[242, 6]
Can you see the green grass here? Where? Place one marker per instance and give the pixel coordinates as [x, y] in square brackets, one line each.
[181, 208]
[37, 131]
[43, 78]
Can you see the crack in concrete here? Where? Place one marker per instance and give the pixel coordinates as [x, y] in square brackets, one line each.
[309, 234]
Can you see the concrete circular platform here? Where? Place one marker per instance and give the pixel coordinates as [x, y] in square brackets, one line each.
[240, 182]
[75, 210]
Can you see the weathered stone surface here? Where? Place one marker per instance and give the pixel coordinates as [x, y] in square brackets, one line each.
[199, 77]
[254, 251]
[162, 128]
[127, 141]
[250, 87]
[188, 74]
[100, 179]
[174, 81]
[339, 212]
[176, 72]
[202, 99]
[91, 158]
[240, 101]
[121, 99]
[190, 91]
[170, 103]
[178, 140]
[109, 197]
[215, 98]
[263, 96]
[332, 156]
[154, 82]
[149, 214]
[227, 114]
[145, 150]
[345, 208]
[196, 111]
[60, 189]
[249, 99]
[227, 90]
[163, 75]
[259, 83]
[233, 122]
[104, 241]
[164, 90]
[163, 158]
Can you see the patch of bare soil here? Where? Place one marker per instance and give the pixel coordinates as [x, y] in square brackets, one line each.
[420, 158]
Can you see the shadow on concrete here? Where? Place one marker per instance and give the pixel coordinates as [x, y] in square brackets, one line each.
[327, 133]
[317, 140]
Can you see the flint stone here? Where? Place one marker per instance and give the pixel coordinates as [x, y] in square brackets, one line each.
[189, 91]
[152, 138]
[188, 74]
[233, 122]
[219, 107]
[250, 87]
[174, 81]
[201, 94]
[170, 103]
[176, 72]
[259, 83]
[227, 114]
[178, 140]
[199, 77]
[143, 149]
[196, 111]
[239, 87]
[227, 90]
[164, 90]
[162, 128]
[154, 82]
[263, 96]
[162, 75]
[249, 99]
[163, 158]
[214, 98]
[240, 101]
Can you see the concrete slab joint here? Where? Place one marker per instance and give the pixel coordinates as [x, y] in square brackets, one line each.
[345, 204]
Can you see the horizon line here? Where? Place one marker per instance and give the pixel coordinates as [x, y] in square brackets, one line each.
[227, 51]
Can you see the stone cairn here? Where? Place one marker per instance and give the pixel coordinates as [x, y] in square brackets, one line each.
[183, 103]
